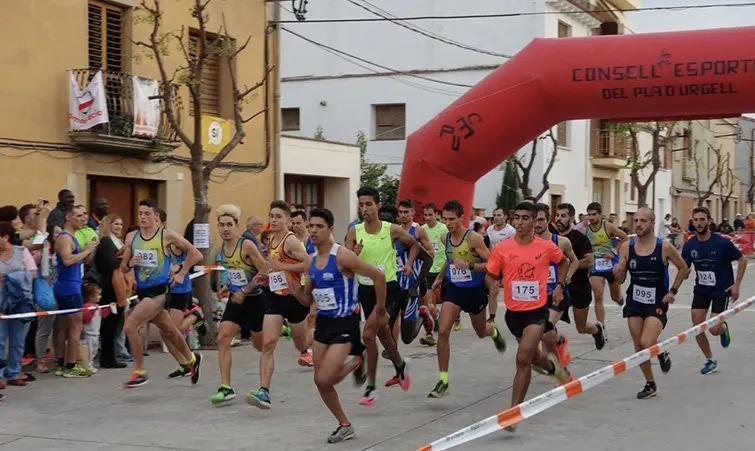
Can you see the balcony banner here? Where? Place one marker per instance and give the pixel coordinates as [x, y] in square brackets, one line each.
[146, 110]
[88, 107]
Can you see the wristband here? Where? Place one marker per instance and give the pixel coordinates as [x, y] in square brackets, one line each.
[673, 291]
[243, 291]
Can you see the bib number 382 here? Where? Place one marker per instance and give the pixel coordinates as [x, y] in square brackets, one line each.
[277, 281]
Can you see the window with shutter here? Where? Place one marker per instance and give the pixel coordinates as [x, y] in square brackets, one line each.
[290, 119]
[105, 36]
[210, 82]
[390, 122]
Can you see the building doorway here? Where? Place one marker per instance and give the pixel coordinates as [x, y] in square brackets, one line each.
[305, 191]
[123, 194]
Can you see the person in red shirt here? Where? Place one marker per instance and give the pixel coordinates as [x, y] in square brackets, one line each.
[525, 263]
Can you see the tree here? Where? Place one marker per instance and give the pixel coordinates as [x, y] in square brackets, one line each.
[729, 181]
[712, 174]
[525, 165]
[188, 74]
[374, 174]
[646, 163]
[509, 195]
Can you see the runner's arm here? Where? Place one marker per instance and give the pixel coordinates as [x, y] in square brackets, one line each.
[63, 248]
[424, 240]
[687, 256]
[620, 270]
[441, 274]
[616, 232]
[293, 247]
[397, 233]
[349, 260]
[568, 251]
[193, 255]
[493, 268]
[672, 254]
[127, 253]
[477, 243]
[351, 238]
[250, 250]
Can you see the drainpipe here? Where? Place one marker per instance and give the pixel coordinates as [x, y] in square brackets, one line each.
[272, 105]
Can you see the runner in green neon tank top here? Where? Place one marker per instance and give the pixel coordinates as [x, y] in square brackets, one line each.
[601, 234]
[372, 241]
[437, 232]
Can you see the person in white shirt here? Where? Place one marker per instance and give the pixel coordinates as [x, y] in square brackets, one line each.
[500, 230]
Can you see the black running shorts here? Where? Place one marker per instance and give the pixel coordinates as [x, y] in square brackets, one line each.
[580, 297]
[248, 315]
[286, 306]
[331, 331]
[517, 321]
[632, 310]
[716, 304]
[472, 300]
[395, 299]
[178, 301]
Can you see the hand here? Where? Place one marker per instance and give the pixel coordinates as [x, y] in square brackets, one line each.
[381, 313]
[91, 246]
[436, 284]
[608, 256]
[358, 247]
[461, 264]
[669, 298]
[260, 279]
[734, 291]
[177, 279]
[237, 297]
[407, 270]
[558, 295]
[224, 293]
[135, 260]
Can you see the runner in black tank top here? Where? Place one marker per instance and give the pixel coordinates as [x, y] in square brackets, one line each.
[646, 259]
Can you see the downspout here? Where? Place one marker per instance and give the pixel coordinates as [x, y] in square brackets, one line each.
[272, 95]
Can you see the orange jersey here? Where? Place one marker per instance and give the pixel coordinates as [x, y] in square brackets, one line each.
[525, 271]
[274, 278]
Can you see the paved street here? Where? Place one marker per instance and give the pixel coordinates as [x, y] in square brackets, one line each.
[691, 411]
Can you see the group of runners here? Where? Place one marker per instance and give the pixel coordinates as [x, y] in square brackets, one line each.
[403, 278]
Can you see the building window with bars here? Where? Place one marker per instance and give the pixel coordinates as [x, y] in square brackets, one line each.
[290, 119]
[209, 98]
[390, 122]
[105, 30]
[305, 191]
[564, 30]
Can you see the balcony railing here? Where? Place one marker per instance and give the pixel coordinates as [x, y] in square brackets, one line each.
[119, 93]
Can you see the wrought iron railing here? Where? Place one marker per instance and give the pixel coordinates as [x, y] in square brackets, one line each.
[119, 92]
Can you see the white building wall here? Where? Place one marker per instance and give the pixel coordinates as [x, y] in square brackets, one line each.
[324, 88]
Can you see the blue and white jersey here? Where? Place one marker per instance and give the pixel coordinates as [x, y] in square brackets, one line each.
[335, 294]
[402, 257]
[184, 287]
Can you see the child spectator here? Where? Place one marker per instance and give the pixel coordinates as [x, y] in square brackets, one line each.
[90, 335]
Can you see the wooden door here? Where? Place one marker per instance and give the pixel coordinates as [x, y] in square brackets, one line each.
[123, 195]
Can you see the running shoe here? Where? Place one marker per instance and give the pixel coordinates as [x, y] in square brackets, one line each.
[223, 395]
[710, 367]
[600, 337]
[620, 302]
[136, 380]
[180, 371]
[428, 340]
[360, 373]
[405, 380]
[648, 392]
[665, 360]
[457, 324]
[194, 368]
[77, 372]
[18, 382]
[199, 325]
[498, 340]
[42, 367]
[342, 434]
[558, 371]
[562, 351]
[726, 336]
[306, 360]
[440, 390]
[369, 398]
[286, 331]
[259, 398]
[126, 357]
[59, 370]
[395, 380]
[427, 319]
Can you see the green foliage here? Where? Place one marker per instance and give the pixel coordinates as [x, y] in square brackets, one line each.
[373, 174]
[319, 134]
[510, 193]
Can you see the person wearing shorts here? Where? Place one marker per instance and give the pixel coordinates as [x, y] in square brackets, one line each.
[712, 256]
[499, 231]
[245, 309]
[646, 258]
[437, 232]
[465, 253]
[288, 260]
[525, 262]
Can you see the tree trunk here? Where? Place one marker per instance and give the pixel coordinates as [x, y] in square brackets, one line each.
[642, 196]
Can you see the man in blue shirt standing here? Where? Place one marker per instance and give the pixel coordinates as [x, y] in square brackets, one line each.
[712, 255]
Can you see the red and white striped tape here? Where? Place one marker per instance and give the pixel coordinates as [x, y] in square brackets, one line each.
[560, 394]
[201, 270]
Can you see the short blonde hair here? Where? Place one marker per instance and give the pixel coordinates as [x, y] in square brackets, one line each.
[229, 210]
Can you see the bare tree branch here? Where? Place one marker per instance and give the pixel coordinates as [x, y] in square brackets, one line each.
[546, 184]
[262, 111]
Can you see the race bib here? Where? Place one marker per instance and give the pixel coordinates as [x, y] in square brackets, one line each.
[237, 277]
[551, 274]
[435, 247]
[277, 281]
[325, 298]
[643, 295]
[603, 265]
[146, 258]
[368, 281]
[522, 291]
[459, 275]
[706, 278]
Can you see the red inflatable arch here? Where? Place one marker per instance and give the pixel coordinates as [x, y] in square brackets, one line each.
[679, 75]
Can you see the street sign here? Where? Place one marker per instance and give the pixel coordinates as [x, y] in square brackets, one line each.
[216, 132]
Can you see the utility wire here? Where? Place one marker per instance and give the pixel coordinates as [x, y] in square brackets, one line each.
[524, 14]
[422, 31]
[398, 72]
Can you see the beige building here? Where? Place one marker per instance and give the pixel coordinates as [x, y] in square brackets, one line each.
[697, 165]
[47, 40]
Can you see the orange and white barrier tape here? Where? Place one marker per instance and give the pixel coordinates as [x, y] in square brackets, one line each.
[560, 394]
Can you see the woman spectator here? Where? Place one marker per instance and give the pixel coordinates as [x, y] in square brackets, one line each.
[113, 285]
[17, 271]
[44, 336]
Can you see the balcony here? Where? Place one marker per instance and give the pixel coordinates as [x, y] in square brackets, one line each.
[117, 136]
[609, 149]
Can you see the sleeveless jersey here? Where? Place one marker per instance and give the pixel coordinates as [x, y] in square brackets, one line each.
[402, 257]
[185, 287]
[69, 277]
[437, 237]
[240, 273]
[335, 294]
[601, 244]
[464, 278]
[553, 270]
[649, 281]
[309, 246]
[277, 280]
[378, 251]
[153, 267]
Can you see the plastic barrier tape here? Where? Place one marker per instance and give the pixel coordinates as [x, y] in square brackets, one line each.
[200, 271]
[560, 394]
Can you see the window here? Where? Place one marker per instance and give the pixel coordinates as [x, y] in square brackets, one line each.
[307, 191]
[562, 134]
[556, 200]
[390, 122]
[210, 82]
[105, 30]
[687, 144]
[564, 30]
[290, 119]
